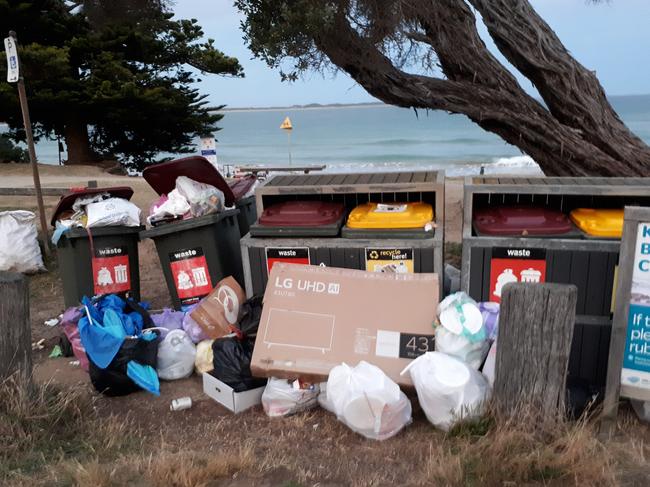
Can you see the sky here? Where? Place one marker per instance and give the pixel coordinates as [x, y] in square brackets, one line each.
[611, 38]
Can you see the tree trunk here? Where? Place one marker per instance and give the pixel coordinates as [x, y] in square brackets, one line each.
[15, 328]
[536, 324]
[78, 143]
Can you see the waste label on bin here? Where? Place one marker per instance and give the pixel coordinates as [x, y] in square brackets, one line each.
[191, 275]
[290, 255]
[397, 261]
[515, 265]
[111, 273]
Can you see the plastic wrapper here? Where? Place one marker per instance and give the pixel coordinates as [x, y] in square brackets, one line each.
[168, 207]
[490, 313]
[112, 211]
[193, 329]
[448, 389]
[69, 325]
[232, 363]
[176, 355]
[368, 401]
[203, 198]
[168, 320]
[203, 361]
[19, 249]
[461, 332]
[282, 397]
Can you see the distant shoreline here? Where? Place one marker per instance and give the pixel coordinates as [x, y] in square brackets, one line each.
[312, 106]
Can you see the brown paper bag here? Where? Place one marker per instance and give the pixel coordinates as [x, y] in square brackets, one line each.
[218, 312]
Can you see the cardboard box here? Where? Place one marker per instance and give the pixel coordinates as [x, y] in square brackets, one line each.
[315, 318]
[227, 397]
[218, 312]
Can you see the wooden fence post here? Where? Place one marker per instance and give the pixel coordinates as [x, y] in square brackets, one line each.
[15, 327]
[535, 330]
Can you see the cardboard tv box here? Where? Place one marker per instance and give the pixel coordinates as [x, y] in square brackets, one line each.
[315, 318]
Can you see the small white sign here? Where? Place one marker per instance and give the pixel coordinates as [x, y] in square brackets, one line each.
[209, 149]
[12, 60]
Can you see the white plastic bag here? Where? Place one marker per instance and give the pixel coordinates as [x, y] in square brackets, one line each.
[19, 250]
[323, 401]
[490, 364]
[176, 355]
[203, 198]
[462, 333]
[113, 211]
[175, 205]
[284, 398]
[368, 401]
[447, 388]
[204, 360]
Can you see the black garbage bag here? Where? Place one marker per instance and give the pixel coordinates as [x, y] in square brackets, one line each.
[232, 363]
[113, 380]
[250, 314]
[581, 396]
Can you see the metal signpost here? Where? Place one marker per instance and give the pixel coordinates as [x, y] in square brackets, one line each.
[14, 76]
[628, 370]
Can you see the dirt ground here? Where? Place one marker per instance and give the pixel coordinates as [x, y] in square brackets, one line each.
[309, 449]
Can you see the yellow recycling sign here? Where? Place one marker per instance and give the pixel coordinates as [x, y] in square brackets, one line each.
[286, 125]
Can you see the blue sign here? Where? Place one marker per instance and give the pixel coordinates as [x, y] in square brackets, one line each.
[637, 344]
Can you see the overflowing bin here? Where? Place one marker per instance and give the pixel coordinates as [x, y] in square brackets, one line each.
[196, 253]
[383, 222]
[98, 260]
[563, 230]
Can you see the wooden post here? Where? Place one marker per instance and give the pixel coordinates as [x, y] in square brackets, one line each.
[536, 324]
[15, 327]
[32, 153]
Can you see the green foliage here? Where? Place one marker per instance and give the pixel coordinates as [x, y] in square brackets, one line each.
[9, 152]
[121, 68]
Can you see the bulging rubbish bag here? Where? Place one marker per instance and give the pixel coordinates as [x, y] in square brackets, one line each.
[462, 333]
[232, 363]
[203, 361]
[19, 250]
[168, 320]
[367, 400]
[448, 389]
[193, 329]
[113, 211]
[70, 326]
[283, 397]
[176, 354]
[203, 198]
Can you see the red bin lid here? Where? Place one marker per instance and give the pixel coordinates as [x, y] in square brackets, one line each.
[162, 177]
[518, 220]
[302, 214]
[67, 200]
[241, 186]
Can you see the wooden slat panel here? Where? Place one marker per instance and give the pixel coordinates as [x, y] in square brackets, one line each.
[256, 271]
[476, 273]
[603, 355]
[365, 178]
[589, 352]
[328, 179]
[263, 268]
[404, 177]
[352, 258]
[608, 277]
[419, 177]
[485, 287]
[596, 283]
[339, 179]
[576, 348]
[337, 257]
[560, 270]
[579, 275]
[426, 256]
[391, 177]
[322, 256]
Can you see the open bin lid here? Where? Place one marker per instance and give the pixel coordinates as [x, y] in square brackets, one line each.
[391, 215]
[66, 201]
[162, 177]
[241, 186]
[521, 220]
[302, 214]
[607, 223]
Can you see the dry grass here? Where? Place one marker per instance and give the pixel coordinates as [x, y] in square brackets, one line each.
[61, 439]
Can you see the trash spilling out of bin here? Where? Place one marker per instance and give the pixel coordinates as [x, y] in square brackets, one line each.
[314, 318]
[448, 389]
[300, 219]
[19, 249]
[96, 235]
[366, 400]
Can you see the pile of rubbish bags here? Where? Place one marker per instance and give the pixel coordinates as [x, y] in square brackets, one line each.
[189, 199]
[96, 210]
[125, 348]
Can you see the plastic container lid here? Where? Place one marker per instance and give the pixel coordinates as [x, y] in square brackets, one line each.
[66, 201]
[599, 223]
[162, 177]
[392, 215]
[521, 220]
[468, 316]
[302, 214]
[241, 186]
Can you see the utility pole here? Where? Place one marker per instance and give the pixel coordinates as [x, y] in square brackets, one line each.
[13, 72]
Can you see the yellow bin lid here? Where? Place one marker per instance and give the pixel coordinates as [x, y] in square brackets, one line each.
[391, 215]
[599, 222]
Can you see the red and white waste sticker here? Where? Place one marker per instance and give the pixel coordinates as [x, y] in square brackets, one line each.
[111, 272]
[290, 255]
[515, 265]
[191, 275]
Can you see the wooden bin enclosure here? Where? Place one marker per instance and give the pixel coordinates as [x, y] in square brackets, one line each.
[352, 190]
[590, 264]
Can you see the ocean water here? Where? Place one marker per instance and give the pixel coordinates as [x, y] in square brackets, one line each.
[368, 138]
